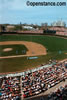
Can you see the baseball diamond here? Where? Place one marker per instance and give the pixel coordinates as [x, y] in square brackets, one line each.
[43, 47]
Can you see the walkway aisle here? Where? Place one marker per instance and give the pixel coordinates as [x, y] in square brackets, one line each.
[21, 88]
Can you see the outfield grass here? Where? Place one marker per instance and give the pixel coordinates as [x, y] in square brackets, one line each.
[16, 50]
[53, 44]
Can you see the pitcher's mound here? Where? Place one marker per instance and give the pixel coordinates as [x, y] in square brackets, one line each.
[7, 49]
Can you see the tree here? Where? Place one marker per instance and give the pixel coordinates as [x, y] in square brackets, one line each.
[18, 27]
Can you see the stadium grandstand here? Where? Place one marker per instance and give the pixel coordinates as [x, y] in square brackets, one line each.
[36, 82]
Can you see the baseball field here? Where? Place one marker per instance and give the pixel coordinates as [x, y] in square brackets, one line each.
[15, 51]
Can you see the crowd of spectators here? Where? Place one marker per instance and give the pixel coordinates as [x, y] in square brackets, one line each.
[41, 80]
[10, 88]
[34, 83]
[59, 94]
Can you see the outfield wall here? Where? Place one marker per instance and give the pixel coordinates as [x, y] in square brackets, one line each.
[26, 72]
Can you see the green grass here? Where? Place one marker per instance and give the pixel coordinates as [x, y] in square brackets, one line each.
[53, 44]
[16, 50]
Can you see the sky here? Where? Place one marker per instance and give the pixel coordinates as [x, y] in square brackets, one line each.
[16, 11]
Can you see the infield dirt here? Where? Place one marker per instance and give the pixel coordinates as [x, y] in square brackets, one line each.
[34, 49]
